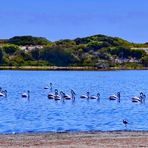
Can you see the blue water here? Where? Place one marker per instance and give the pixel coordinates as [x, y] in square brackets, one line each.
[39, 114]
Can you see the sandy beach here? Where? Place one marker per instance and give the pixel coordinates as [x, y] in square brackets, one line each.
[77, 140]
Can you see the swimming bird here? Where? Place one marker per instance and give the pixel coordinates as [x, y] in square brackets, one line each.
[3, 93]
[51, 96]
[57, 96]
[136, 99]
[125, 122]
[50, 86]
[85, 96]
[46, 87]
[140, 98]
[69, 97]
[64, 95]
[95, 97]
[115, 97]
[26, 95]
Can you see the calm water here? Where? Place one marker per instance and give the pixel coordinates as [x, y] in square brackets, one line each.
[39, 114]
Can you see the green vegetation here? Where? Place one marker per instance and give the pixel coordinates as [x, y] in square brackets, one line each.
[10, 49]
[96, 51]
[28, 40]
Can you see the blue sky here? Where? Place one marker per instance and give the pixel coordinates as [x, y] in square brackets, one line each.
[61, 19]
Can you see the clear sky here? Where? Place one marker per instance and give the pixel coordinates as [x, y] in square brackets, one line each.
[61, 19]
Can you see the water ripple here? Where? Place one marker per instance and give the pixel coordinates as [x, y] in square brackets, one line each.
[39, 114]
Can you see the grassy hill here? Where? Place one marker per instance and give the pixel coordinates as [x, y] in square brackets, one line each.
[97, 51]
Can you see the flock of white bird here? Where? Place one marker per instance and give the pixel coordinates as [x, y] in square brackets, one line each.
[61, 95]
[56, 95]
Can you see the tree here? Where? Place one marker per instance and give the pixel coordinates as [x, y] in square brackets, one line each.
[120, 51]
[35, 54]
[28, 40]
[57, 56]
[66, 43]
[10, 49]
[138, 53]
[145, 61]
[1, 55]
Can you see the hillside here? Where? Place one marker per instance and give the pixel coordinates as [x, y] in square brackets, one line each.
[97, 51]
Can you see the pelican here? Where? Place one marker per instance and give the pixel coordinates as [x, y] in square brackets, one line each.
[26, 95]
[57, 96]
[47, 87]
[68, 97]
[140, 98]
[85, 96]
[3, 93]
[95, 97]
[136, 99]
[115, 97]
[65, 96]
[51, 96]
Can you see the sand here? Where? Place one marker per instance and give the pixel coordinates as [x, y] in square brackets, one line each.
[118, 139]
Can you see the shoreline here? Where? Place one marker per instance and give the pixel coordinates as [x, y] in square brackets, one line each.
[74, 132]
[70, 68]
[79, 139]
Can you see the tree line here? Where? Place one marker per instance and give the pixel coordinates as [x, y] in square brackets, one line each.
[99, 51]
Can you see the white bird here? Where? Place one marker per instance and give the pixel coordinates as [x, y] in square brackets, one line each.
[57, 96]
[51, 96]
[3, 93]
[140, 98]
[68, 97]
[48, 86]
[26, 95]
[85, 96]
[95, 97]
[136, 99]
[115, 97]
